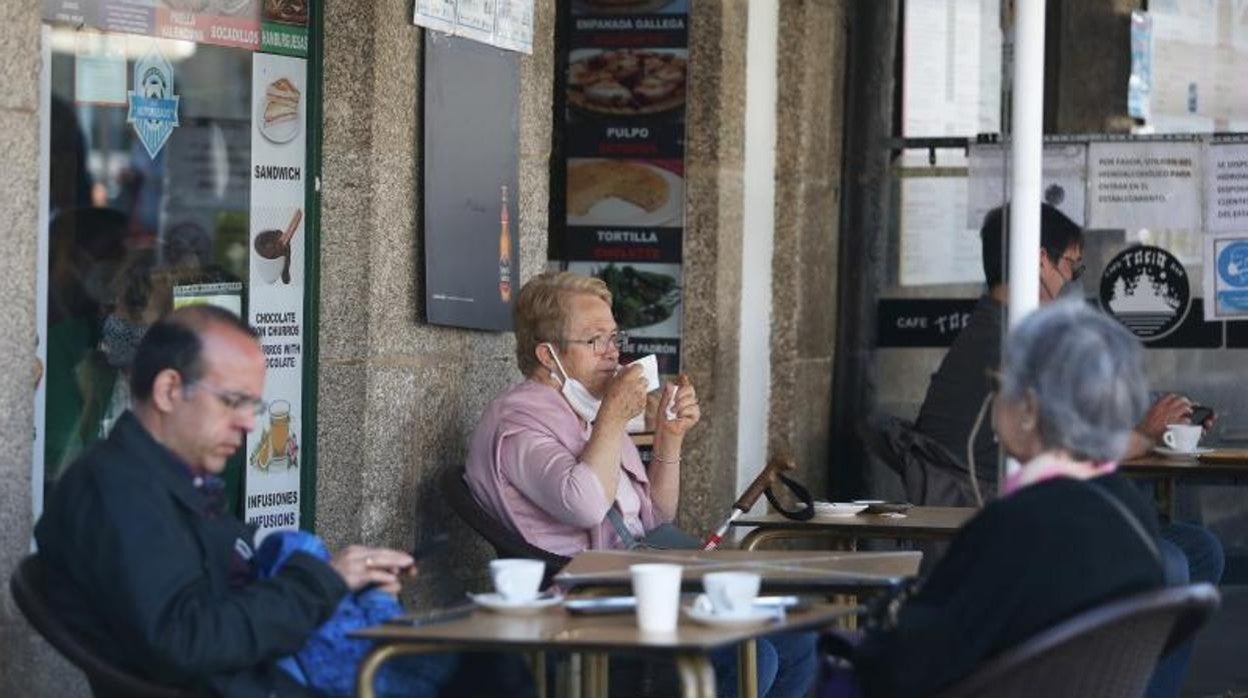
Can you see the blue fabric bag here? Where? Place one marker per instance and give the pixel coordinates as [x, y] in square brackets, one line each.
[329, 660]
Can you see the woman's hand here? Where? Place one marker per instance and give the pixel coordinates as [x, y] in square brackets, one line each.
[679, 400]
[626, 395]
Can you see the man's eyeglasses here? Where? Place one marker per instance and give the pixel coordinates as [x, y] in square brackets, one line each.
[233, 400]
[601, 343]
[1077, 267]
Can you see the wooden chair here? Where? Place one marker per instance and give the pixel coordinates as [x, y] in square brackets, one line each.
[1109, 651]
[27, 585]
[505, 543]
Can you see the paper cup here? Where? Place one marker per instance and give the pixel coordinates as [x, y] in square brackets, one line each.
[657, 588]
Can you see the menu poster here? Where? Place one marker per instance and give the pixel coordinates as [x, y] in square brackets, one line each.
[1225, 272]
[1063, 180]
[1144, 185]
[219, 22]
[505, 24]
[937, 244]
[277, 245]
[284, 27]
[1226, 187]
[471, 173]
[624, 147]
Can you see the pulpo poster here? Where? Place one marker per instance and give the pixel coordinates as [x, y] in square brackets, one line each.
[624, 146]
[277, 247]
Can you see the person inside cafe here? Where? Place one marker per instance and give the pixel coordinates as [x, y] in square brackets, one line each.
[148, 569]
[552, 459]
[954, 408]
[1067, 534]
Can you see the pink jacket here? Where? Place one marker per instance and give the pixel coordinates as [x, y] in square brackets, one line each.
[524, 468]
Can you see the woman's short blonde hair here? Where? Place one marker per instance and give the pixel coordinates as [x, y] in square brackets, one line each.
[541, 312]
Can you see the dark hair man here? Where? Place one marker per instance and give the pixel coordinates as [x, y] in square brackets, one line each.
[143, 562]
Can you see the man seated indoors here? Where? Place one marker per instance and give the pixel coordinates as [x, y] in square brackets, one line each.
[552, 460]
[148, 569]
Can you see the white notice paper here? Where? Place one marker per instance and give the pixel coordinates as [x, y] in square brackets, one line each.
[1226, 187]
[506, 24]
[1064, 177]
[1144, 185]
[937, 247]
[1225, 272]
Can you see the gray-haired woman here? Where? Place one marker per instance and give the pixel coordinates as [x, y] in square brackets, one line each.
[1069, 532]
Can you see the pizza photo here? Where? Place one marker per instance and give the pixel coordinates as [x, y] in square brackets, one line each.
[627, 82]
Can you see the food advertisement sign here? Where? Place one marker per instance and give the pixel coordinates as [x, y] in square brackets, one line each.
[624, 144]
[276, 272]
[274, 26]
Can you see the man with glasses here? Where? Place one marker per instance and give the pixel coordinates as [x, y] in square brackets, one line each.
[144, 563]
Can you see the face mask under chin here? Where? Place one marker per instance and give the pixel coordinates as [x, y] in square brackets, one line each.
[582, 401]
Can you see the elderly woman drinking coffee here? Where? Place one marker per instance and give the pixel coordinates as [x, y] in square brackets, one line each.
[552, 460]
[1069, 533]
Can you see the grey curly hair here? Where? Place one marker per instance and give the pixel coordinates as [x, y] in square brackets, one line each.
[1085, 372]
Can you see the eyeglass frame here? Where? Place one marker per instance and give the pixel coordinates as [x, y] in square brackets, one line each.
[617, 338]
[233, 400]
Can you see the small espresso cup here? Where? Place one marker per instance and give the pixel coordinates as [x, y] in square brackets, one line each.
[1182, 437]
[517, 580]
[731, 593]
[657, 588]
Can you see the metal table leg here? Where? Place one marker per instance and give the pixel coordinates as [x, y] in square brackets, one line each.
[379, 655]
[537, 665]
[747, 669]
[594, 678]
[697, 678]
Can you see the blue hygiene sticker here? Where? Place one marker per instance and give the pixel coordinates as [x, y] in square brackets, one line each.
[1232, 268]
[153, 105]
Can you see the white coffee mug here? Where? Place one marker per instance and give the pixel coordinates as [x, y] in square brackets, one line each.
[657, 588]
[517, 580]
[1182, 437]
[731, 593]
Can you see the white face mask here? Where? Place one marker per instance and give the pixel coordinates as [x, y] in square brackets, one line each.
[582, 401]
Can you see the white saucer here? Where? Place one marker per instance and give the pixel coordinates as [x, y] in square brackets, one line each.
[496, 603]
[757, 616]
[1171, 453]
[838, 508]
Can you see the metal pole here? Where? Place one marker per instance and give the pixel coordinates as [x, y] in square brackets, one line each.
[869, 91]
[1027, 142]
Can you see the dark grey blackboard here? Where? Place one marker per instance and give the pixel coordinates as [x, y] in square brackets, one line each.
[471, 151]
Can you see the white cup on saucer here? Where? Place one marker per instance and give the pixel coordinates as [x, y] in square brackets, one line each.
[657, 588]
[1182, 437]
[517, 580]
[732, 594]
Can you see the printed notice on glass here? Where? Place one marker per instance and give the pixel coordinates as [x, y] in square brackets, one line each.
[1064, 180]
[1226, 188]
[1144, 185]
[1225, 272]
[937, 246]
[506, 24]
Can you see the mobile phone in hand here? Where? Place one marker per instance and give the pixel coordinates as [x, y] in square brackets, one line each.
[1200, 414]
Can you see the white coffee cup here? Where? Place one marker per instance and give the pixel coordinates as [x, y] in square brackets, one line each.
[517, 580]
[657, 588]
[731, 593]
[1182, 437]
[650, 369]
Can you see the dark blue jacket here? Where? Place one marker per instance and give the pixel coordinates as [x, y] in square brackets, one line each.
[140, 567]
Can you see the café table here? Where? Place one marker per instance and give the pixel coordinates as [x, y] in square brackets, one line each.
[592, 637]
[782, 571]
[917, 523]
[1218, 466]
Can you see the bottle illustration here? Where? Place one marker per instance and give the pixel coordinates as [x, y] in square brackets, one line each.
[504, 251]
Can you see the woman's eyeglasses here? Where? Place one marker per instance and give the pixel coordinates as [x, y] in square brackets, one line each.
[601, 343]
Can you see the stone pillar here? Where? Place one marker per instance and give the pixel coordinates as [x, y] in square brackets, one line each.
[808, 179]
[399, 398]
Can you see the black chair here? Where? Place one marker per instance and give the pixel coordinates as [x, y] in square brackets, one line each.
[505, 542]
[1109, 651]
[27, 585]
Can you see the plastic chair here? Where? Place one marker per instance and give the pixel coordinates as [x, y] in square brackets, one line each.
[1107, 651]
[505, 543]
[27, 585]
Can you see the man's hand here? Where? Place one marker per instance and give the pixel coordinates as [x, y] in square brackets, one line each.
[626, 395]
[361, 566]
[1170, 409]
